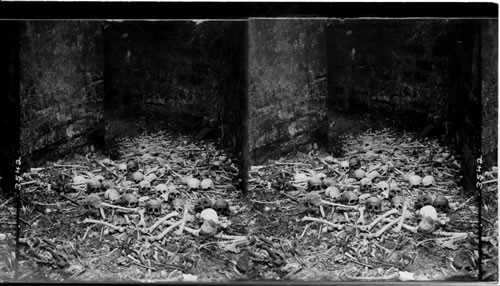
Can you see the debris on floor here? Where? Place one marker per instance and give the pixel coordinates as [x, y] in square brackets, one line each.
[168, 210]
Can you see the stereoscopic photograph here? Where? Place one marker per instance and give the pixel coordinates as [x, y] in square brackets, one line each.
[299, 149]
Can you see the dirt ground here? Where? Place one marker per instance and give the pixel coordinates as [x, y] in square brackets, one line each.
[287, 228]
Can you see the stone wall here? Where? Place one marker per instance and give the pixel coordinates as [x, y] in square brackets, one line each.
[62, 87]
[392, 67]
[489, 71]
[287, 85]
[416, 71]
[187, 74]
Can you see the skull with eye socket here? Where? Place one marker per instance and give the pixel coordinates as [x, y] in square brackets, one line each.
[383, 187]
[129, 200]
[202, 203]
[423, 200]
[354, 163]
[350, 198]
[395, 192]
[221, 207]
[153, 207]
[179, 205]
[122, 169]
[344, 167]
[373, 205]
[132, 166]
[173, 195]
[366, 184]
[398, 202]
[145, 187]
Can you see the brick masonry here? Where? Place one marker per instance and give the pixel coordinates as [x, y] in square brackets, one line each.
[62, 87]
[287, 85]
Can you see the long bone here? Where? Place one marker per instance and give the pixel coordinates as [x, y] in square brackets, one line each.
[118, 228]
[382, 230]
[159, 222]
[337, 226]
[377, 220]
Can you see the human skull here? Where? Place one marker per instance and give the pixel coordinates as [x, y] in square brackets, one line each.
[79, 180]
[145, 187]
[423, 200]
[206, 184]
[415, 180]
[122, 169]
[350, 197]
[359, 174]
[209, 215]
[222, 207]
[161, 188]
[203, 203]
[398, 202]
[178, 205]
[429, 214]
[132, 166]
[428, 181]
[314, 182]
[173, 195]
[366, 184]
[395, 192]
[373, 204]
[94, 185]
[327, 182]
[108, 185]
[111, 194]
[441, 204]
[193, 183]
[344, 166]
[383, 187]
[153, 207]
[131, 200]
[354, 163]
[137, 177]
[333, 192]
[100, 178]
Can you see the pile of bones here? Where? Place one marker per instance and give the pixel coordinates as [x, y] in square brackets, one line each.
[385, 182]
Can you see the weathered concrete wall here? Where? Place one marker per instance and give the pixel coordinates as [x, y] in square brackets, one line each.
[190, 75]
[62, 87]
[489, 72]
[287, 85]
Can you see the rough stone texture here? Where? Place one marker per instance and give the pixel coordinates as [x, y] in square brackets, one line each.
[9, 104]
[287, 85]
[411, 70]
[190, 75]
[489, 71]
[62, 87]
[388, 66]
